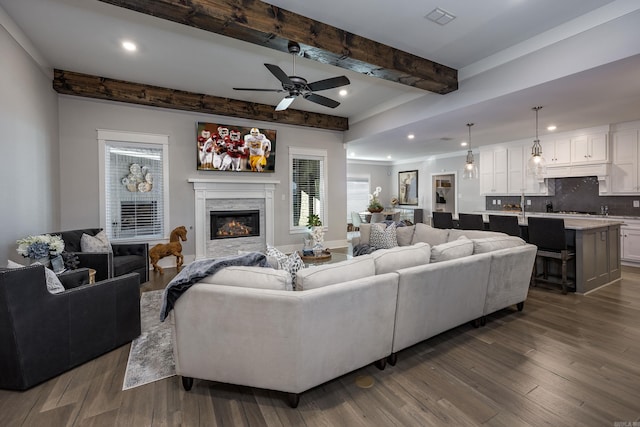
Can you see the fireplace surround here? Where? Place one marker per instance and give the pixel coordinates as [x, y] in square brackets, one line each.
[229, 194]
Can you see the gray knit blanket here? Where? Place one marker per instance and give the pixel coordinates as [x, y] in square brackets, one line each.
[198, 270]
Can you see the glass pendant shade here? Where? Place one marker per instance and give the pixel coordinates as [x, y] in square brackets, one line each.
[537, 166]
[470, 170]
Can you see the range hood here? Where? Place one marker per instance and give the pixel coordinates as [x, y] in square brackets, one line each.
[601, 171]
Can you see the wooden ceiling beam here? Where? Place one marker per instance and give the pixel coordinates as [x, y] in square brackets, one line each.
[85, 85]
[261, 23]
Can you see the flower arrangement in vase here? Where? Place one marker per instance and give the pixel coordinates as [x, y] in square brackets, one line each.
[40, 247]
[374, 202]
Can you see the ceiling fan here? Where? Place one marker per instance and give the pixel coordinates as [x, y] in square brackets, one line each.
[297, 86]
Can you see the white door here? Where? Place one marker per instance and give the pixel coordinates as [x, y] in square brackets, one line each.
[624, 170]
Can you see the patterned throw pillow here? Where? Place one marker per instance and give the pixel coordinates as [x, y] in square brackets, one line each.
[383, 238]
[98, 243]
[54, 285]
[291, 263]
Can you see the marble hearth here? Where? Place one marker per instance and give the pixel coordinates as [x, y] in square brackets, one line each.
[228, 194]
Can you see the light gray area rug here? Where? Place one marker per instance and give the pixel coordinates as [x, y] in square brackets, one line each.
[151, 354]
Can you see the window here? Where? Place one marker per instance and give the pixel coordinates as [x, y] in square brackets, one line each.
[357, 195]
[134, 176]
[308, 172]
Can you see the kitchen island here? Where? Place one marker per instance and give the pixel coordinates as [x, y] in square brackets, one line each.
[596, 241]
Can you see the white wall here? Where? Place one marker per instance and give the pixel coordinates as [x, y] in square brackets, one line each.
[79, 119]
[378, 175]
[29, 176]
[469, 198]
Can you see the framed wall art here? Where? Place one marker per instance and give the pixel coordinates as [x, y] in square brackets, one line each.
[408, 187]
[233, 148]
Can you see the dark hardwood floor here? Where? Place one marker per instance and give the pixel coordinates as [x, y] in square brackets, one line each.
[565, 360]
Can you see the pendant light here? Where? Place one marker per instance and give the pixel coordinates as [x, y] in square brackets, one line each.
[537, 166]
[470, 168]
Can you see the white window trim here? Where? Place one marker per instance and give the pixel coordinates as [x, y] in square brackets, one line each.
[311, 153]
[125, 137]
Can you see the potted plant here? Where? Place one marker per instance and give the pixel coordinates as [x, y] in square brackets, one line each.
[374, 202]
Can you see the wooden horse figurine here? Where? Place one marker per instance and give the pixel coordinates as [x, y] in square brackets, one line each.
[174, 247]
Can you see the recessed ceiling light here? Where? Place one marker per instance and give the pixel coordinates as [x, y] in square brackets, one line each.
[343, 92]
[411, 136]
[464, 143]
[552, 127]
[389, 156]
[130, 46]
[352, 154]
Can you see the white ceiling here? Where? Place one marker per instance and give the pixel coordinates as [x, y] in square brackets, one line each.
[575, 57]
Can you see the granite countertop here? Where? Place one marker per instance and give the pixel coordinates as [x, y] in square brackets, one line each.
[561, 215]
[571, 221]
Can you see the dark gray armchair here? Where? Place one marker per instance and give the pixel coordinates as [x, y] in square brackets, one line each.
[126, 257]
[43, 335]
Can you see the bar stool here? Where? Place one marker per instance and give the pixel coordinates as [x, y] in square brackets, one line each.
[470, 221]
[548, 234]
[442, 220]
[505, 224]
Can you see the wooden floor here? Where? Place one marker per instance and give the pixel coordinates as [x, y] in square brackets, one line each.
[565, 360]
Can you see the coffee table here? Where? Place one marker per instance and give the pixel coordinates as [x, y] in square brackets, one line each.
[324, 259]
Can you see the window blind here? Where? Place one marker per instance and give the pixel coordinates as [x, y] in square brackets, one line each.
[308, 189]
[357, 195]
[134, 190]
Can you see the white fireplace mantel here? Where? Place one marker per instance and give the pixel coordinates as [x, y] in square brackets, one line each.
[231, 188]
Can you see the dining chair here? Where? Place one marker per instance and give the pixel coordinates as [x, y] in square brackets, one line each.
[470, 221]
[442, 219]
[548, 234]
[505, 223]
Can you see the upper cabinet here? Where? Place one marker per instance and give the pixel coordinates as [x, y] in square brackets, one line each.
[624, 170]
[493, 171]
[557, 152]
[588, 149]
[519, 181]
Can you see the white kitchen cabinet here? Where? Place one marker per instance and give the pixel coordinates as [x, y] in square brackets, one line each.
[519, 180]
[630, 243]
[557, 152]
[493, 171]
[587, 149]
[624, 170]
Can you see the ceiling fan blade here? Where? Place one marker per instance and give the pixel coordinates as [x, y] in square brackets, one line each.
[322, 100]
[259, 90]
[284, 104]
[280, 75]
[329, 83]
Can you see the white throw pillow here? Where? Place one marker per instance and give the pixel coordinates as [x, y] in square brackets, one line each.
[383, 238]
[54, 285]
[405, 235]
[427, 234]
[98, 243]
[490, 244]
[387, 260]
[452, 250]
[251, 277]
[339, 272]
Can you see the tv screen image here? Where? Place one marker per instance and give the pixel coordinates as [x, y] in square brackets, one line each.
[231, 148]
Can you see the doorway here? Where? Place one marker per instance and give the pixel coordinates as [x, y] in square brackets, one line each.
[444, 193]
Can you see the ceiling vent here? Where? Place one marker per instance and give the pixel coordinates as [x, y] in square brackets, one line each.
[440, 16]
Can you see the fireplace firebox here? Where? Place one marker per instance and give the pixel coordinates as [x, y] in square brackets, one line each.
[234, 224]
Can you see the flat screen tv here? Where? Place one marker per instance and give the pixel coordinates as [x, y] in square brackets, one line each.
[231, 148]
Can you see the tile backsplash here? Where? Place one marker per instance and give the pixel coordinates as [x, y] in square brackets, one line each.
[578, 194]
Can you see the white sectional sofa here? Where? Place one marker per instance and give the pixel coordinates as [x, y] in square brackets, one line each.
[245, 326]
